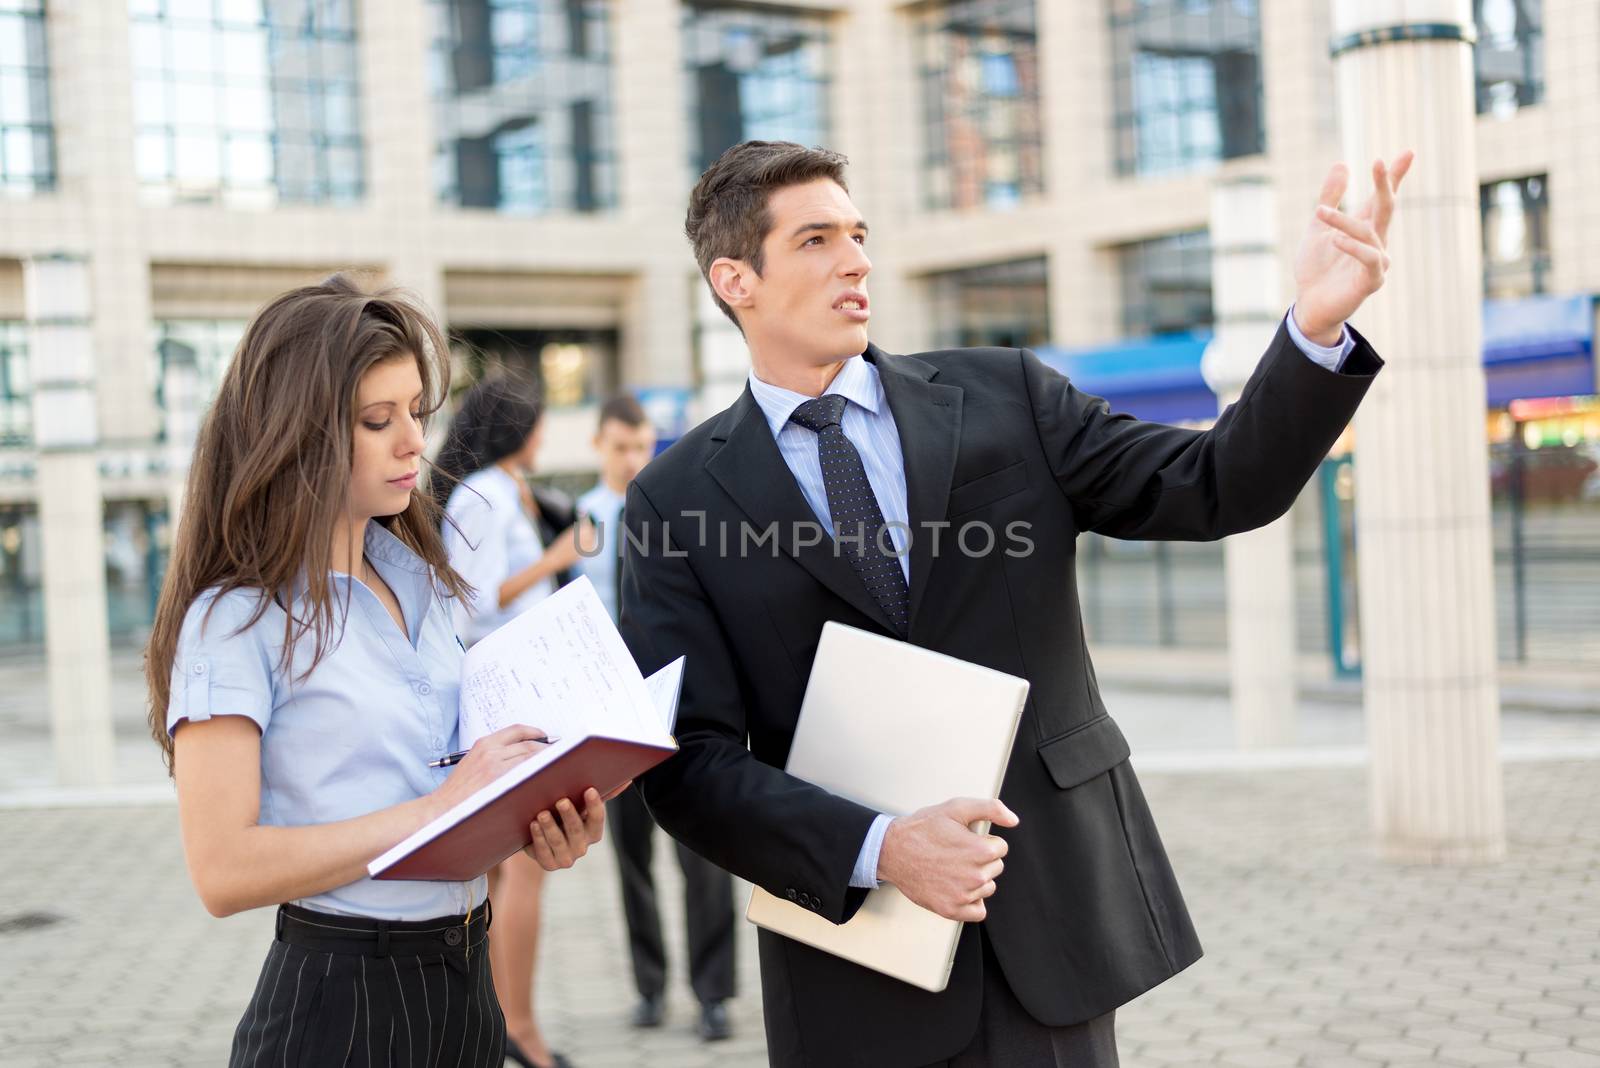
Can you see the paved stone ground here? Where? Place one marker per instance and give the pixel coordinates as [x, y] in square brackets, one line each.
[1319, 955]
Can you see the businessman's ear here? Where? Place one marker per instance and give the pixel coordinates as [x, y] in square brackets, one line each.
[734, 281]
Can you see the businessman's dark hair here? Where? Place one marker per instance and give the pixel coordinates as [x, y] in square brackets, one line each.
[728, 213]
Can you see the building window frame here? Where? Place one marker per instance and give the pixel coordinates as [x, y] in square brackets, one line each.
[1515, 211]
[1203, 96]
[1166, 284]
[977, 69]
[776, 64]
[220, 118]
[27, 125]
[16, 388]
[1004, 304]
[1508, 60]
[538, 80]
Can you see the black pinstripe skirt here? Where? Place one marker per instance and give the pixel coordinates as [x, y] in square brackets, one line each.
[341, 990]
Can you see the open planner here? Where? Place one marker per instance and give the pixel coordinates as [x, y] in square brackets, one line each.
[560, 666]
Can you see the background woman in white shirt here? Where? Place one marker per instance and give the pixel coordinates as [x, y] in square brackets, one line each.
[492, 534]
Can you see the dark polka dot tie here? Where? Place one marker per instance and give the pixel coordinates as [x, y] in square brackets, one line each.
[857, 519]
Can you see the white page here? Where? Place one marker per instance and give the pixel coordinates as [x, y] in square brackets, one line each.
[665, 686]
[560, 666]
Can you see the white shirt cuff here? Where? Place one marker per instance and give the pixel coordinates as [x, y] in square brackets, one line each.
[865, 876]
[1331, 358]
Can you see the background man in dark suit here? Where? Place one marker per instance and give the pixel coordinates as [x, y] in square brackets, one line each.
[623, 444]
[956, 483]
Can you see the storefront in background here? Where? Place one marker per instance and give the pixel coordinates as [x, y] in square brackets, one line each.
[1543, 431]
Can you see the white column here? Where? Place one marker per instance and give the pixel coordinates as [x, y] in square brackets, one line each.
[398, 117]
[61, 351]
[653, 142]
[1422, 506]
[91, 77]
[1260, 563]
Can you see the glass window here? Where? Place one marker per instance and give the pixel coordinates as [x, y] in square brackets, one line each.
[753, 74]
[572, 367]
[1004, 304]
[1187, 81]
[27, 160]
[522, 101]
[1509, 57]
[190, 355]
[978, 71]
[1166, 284]
[248, 103]
[21, 576]
[1516, 237]
[16, 413]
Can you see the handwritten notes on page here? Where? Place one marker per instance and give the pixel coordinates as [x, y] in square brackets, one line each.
[560, 666]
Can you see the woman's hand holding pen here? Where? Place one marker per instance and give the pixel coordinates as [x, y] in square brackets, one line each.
[492, 756]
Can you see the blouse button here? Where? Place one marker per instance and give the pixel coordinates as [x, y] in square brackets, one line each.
[424, 689]
[199, 669]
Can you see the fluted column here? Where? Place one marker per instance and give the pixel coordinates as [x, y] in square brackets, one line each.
[1260, 563]
[1404, 78]
[65, 431]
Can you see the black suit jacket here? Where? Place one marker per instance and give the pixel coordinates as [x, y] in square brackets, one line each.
[1087, 914]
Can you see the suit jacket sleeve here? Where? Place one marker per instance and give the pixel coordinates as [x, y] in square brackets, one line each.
[794, 840]
[1131, 479]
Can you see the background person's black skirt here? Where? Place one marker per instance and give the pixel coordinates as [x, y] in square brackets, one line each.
[341, 990]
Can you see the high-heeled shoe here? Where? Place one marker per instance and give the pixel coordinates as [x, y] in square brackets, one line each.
[514, 1052]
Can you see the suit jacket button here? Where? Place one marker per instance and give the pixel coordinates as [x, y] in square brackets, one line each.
[791, 894]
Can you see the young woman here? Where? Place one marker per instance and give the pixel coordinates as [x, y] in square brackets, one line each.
[495, 535]
[303, 671]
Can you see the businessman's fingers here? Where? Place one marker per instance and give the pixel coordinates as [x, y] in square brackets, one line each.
[973, 913]
[970, 810]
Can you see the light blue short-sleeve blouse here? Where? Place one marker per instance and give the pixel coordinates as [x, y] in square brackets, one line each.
[357, 734]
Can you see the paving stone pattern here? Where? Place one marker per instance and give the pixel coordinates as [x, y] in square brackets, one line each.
[1318, 954]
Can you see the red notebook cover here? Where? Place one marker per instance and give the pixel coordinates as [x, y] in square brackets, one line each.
[477, 843]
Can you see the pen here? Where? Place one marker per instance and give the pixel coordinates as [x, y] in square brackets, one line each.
[453, 759]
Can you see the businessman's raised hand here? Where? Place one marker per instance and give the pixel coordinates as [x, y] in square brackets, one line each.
[934, 857]
[1343, 258]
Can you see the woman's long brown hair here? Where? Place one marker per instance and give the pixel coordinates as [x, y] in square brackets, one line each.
[271, 468]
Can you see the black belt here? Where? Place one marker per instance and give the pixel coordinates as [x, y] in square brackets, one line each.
[324, 932]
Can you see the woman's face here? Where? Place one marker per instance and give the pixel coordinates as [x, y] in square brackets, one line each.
[388, 439]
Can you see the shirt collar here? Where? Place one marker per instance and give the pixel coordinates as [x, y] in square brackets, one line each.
[857, 382]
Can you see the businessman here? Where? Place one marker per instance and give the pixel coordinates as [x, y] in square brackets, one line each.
[937, 499]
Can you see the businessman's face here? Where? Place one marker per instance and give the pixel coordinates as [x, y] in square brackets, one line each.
[810, 301]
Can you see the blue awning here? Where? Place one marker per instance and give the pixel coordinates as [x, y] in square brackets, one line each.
[1538, 347]
[1533, 347]
[1154, 378]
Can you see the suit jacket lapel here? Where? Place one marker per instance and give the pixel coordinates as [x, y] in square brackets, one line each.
[927, 415]
[753, 472]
